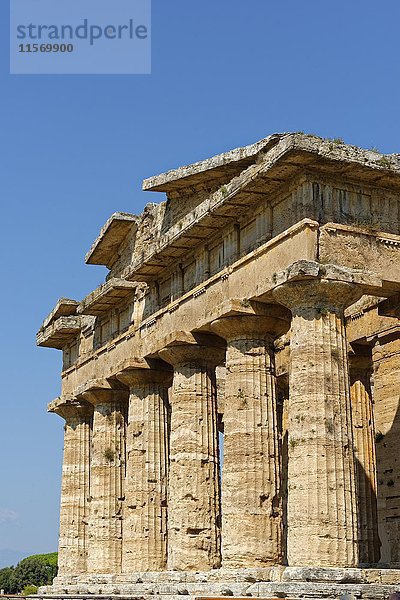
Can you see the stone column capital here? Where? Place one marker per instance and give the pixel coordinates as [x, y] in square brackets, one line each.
[141, 372]
[185, 348]
[315, 295]
[99, 391]
[70, 408]
[360, 363]
[267, 321]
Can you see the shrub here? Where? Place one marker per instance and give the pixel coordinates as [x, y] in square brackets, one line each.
[29, 590]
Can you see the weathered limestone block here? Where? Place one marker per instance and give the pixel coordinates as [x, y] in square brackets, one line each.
[386, 360]
[194, 489]
[144, 546]
[364, 448]
[107, 473]
[73, 543]
[322, 500]
[251, 499]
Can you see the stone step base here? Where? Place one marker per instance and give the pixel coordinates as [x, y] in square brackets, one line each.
[267, 590]
[292, 583]
[164, 597]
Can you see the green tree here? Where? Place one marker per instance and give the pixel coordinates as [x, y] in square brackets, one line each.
[36, 570]
[5, 579]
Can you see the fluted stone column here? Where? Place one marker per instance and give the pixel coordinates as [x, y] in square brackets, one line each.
[107, 474]
[386, 364]
[251, 499]
[194, 488]
[73, 542]
[322, 498]
[144, 546]
[364, 443]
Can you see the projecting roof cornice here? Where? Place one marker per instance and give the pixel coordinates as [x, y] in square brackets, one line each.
[64, 308]
[104, 250]
[62, 325]
[60, 332]
[212, 168]
[106, 296]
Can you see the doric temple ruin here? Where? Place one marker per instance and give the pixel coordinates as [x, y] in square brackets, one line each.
[231, 393]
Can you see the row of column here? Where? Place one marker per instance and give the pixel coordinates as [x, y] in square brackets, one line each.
[155, 502]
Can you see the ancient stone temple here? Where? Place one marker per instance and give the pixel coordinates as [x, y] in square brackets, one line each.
[231, 393]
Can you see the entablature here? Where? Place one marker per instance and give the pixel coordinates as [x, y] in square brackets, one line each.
[390, 307]
[369, 320]
[306, 249]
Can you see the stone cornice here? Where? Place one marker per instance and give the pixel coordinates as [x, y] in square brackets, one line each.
[106, 297]
[60, 332]
[210, 168]
[65, 307]
[104, 250]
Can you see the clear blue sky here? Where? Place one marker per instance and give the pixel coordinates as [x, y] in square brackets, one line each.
[74, 149]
